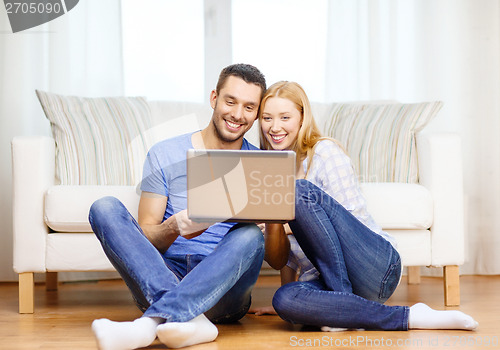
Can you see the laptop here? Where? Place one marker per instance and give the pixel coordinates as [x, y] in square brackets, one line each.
[240, 186]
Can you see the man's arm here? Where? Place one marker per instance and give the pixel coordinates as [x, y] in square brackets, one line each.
[162, 234]
[151, 211]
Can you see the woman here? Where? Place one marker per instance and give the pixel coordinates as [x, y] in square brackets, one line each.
[348, 267]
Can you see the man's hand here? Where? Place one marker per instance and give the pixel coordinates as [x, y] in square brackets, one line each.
[163, 233]
[187, 228]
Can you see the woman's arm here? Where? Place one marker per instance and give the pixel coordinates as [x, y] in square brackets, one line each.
[288, 275]
[277, 246]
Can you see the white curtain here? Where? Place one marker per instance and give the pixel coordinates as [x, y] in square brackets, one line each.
[78, 53]
[422, 50]
[406, 50]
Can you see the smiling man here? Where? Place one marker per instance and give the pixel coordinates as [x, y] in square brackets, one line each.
[157, 256]
[235, 103]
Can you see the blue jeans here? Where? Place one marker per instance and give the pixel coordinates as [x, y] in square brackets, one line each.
[180, 288]
[359, 269]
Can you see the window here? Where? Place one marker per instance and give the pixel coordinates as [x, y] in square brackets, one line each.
[163, 49]
[286, 40]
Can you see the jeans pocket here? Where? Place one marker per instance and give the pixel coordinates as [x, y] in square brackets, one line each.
[390, 281]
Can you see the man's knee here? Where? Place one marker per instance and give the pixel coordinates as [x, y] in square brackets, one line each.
[251, 237]
[103, 209]
[255, 235]
[257, 238]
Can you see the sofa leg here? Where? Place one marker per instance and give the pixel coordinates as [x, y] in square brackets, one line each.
[26, 293]
[51, 281]
[413, 274]
[451, 285]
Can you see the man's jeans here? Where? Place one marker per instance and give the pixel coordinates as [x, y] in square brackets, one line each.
[359, 269]
[180, 288]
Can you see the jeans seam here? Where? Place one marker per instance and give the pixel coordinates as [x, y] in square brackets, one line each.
[406, 317]
[383, 287]
[307, 198]
[243, 310]
[117, 260]
[197, 311]
[220, 288]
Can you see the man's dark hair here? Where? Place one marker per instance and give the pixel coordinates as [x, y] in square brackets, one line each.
[247, 72]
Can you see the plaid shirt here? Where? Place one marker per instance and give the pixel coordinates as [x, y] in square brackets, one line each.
[333, 172]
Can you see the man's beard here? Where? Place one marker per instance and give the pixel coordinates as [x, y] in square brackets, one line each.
[224, 138]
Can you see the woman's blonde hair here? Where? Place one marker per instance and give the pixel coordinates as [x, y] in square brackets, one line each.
[309, 133]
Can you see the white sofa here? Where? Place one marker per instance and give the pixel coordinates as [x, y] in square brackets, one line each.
[52, 233]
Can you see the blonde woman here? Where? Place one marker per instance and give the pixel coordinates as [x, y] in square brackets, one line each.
[347, 265]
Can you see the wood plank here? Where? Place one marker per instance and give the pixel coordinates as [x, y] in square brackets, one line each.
[62, 319]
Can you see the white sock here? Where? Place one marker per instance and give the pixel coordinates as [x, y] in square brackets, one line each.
[335, 329]
[112, 335]
[423, 317]
[180, 334]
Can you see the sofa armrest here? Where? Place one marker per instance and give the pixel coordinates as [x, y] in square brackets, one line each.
[33, 170]
[440, 170]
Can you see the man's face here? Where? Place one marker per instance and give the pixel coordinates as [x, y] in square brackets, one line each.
[235, 108]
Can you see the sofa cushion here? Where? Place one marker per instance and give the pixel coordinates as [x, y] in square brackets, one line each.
[399, 205]
[414, 246]
[75, 252]
[94, 136]
[67, 207]
[380, 138]
[393, 205]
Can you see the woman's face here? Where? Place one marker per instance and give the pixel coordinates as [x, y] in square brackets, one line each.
[281, 121]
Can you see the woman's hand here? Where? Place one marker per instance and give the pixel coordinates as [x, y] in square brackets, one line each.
[263, 310]
[262, 227]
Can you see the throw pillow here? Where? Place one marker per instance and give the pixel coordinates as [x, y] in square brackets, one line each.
[380, 138]
[93, 138]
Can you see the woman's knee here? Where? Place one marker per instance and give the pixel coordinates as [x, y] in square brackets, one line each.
[304, 187]
[307, 194]
[285, 299]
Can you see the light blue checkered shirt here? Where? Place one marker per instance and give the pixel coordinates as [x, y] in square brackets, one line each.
[333, 172]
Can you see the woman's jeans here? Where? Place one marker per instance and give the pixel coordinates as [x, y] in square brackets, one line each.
[359, 269]
[179, 288]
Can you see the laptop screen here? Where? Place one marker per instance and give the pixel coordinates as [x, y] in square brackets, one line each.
[241, 186]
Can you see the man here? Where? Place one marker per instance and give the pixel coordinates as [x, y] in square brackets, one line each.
[183, 275]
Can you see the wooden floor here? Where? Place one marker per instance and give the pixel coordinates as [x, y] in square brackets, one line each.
[62, 319]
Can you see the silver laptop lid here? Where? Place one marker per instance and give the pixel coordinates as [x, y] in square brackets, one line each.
[240, 186]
